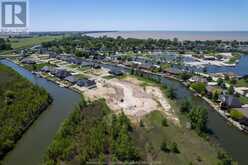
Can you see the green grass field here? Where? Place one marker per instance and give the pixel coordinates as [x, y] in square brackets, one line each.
[19, 43]
[29, 42]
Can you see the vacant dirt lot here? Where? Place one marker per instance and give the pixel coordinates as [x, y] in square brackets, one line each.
[130, 97]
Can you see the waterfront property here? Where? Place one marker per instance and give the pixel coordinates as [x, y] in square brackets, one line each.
[71, 79]
[229, 101]
[86, 83]
[61, 73]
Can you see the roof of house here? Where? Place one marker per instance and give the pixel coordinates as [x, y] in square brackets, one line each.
[61, 73]
[28, 61]
[86, 82]
[198, 79]
[116, 72]
[230, 101]
[71, 79]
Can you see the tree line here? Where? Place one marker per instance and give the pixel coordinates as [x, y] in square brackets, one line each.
[86, 45]
[20, 104]
[93, 134]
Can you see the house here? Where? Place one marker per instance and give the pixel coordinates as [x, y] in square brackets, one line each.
[28, 61]
[85, 64]
[198, 79]
[52, 55]
[86, 83]
[116, 72]
[173, 71]
[61, 73]
[210, 58]
[71, 79]
[96, 66]
[229, 101]
[73, 60]
[46, 69]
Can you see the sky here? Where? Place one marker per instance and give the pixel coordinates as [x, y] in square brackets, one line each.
[138, 15]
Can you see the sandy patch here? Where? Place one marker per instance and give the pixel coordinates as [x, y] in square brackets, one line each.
[128, 96]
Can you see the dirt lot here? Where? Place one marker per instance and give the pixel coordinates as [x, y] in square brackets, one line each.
[130, 97]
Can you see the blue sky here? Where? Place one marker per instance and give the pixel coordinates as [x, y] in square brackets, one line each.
[203, 15]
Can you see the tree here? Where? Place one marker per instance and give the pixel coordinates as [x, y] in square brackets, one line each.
[164, 146]
[164, 122]
[198, 117]
[141, 123]
[185, 76]
[170, 93]
[185, 106]
[231, 90]
[174, 148]
[216, 96]
[199, 88]
[79, 53]
[224, 158]
[220, 82]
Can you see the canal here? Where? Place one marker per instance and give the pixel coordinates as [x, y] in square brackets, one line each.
[31, 147]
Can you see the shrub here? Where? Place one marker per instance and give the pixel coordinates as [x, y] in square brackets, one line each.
[198, 118]
[199, 88]
[236, 115]
[164, 147]
[164, 122]
[174, 148]
[185, 106]
[170, 93]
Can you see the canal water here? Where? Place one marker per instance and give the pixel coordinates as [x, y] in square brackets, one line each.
[226, 136]
[240, 69]
[31, 147]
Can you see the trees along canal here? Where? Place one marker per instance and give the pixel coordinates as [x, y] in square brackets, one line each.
[21, 103]
[91, 133]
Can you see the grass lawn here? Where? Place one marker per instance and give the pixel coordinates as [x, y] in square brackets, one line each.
[17, 43]
[36, 67]
[73, 66]
[243, 100]
[242, 83]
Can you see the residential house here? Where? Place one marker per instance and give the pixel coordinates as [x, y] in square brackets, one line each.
[47, 69]
[61, 73]
[229, 101]
[86, 83]
[116, 72]
[72, 79]
[28, 61]
[198, 79]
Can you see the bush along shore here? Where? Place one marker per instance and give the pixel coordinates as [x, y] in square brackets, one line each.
[21, 104]
[92, 134]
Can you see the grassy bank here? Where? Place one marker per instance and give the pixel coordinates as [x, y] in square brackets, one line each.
[21, 103]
